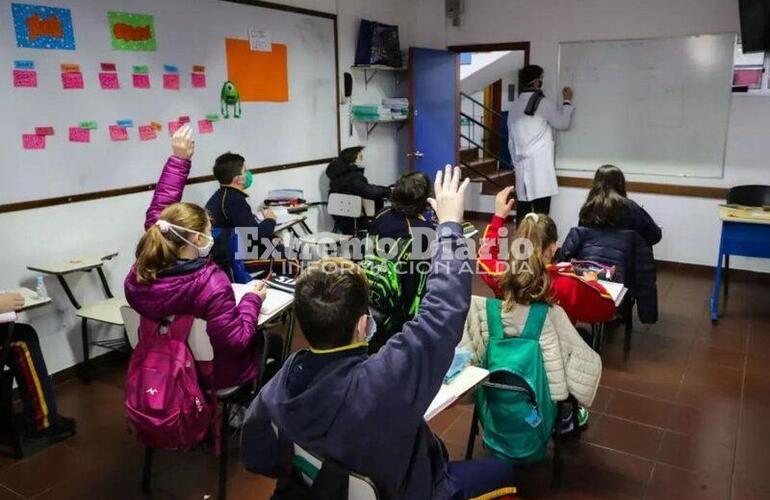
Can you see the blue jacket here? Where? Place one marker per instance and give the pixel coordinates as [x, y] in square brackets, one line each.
[366, 412]
[229, 208]
[629, 251]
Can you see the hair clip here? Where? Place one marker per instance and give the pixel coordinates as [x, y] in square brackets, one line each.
[164, 226]
[533, 216]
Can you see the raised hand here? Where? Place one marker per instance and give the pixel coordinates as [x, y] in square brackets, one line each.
[182, 143]
[449, 201]
[504, 202]
[567, 93]
[11, 302]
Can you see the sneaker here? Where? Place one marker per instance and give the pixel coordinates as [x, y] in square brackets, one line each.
[60, 429]
[582, 417]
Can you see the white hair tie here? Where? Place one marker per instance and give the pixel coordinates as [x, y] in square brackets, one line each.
[165, 226]
[533, 216]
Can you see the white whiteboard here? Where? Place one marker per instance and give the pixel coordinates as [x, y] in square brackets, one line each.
[188, 32]
[657, 106]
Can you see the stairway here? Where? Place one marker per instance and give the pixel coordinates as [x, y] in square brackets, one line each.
[473, 164]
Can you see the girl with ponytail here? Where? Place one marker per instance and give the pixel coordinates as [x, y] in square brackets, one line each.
[526, 283]
[583, 300]
[173, 274]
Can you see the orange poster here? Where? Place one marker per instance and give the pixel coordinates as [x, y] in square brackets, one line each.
[259, 76]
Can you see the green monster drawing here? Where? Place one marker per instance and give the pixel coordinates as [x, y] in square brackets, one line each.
[230, 97]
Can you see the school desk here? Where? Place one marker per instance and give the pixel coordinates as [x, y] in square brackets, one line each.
[275, 304]
[463, 382]
[745, 232]
[7, 323]
[290, 224]
[106, 311]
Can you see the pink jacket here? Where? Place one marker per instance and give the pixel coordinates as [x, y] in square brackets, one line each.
[205, 293]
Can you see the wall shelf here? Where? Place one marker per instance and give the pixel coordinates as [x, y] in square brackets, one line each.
[372, 69]
[371, 124]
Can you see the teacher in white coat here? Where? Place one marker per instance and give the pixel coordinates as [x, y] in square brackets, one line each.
[531, 121]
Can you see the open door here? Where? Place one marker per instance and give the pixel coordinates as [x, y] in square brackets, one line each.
[434, 94]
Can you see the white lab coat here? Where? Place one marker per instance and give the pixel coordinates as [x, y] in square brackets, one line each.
[531, 145]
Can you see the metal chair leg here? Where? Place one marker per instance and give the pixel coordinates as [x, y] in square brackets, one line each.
[225, 449]
[85, 372]
[474, 431]
[727, 274]
[149, 453]
[558, 464]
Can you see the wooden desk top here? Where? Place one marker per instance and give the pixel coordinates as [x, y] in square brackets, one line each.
[72, 265]
[749, 215]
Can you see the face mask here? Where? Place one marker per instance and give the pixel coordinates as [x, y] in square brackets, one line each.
[203, 251]
[248, 178]
[371, 328]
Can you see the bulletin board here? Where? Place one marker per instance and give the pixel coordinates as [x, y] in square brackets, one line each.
[94, 88]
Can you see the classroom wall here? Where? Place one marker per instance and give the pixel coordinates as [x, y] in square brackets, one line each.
[691, 227]
[76, 229]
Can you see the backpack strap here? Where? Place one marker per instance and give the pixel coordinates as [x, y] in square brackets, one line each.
[495, 319]
[535, 320]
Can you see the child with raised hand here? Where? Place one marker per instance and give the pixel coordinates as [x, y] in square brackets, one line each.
[584, 300]
[367, 412]
[526, 288]
[174, 275]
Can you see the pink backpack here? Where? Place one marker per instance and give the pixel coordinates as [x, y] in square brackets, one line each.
[165, 403]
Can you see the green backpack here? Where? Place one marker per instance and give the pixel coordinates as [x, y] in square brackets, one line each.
[515, 407]
[386, 293]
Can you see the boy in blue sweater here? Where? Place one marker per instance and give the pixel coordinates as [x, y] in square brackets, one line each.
[229, 209]
[366, 412]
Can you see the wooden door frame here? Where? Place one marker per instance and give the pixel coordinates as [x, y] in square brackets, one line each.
[490, 47]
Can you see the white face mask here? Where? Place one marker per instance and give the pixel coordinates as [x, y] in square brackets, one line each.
[371, 328]
[203, 251]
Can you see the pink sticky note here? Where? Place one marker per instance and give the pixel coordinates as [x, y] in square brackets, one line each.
[141, 81]
[43, 130]
[118, 133]
[24, 78]
[199, 80]
[32, 141]
[173, 127]
[109, 81]
[72, 80]
[205, 127]
[78, 134]
[170, 81]
[147, 133]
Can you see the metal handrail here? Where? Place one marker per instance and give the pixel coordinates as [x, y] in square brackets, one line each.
[488, 151]
[482, 174]
[488, 129]
[463, 94]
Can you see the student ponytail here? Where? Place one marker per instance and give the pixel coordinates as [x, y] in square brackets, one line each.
[158, 250]
[528, 280]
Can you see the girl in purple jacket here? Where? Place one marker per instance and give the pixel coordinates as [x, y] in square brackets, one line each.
[173, 274]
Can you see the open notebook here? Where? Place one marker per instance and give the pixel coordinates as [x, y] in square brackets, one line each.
[275, 301]
[466, 380]
[617, 290]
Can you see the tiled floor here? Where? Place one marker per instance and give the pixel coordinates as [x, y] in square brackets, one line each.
[687, 415]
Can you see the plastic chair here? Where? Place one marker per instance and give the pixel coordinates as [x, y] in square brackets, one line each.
[309, 466]
[340, 205]
[557, 464]
[200, 346]
[750, 195]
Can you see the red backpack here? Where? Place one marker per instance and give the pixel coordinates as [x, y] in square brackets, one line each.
[165, 403]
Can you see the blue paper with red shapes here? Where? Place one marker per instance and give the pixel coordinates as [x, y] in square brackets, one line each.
[41, 27]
